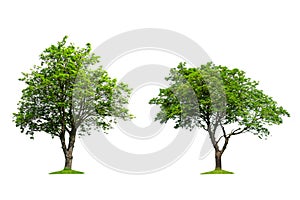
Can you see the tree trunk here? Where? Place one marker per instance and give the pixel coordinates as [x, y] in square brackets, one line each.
[218, 156]
[69, 159]
[68, 151]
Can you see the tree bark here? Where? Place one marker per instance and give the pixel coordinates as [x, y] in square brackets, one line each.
[69, 152]
[68, 159]
[218, 158]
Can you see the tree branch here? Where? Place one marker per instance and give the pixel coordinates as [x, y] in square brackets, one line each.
[219, 139]
[238, 131]
[225, 144]
[223, 130]
[63, 142]
[225, 137]
[217, 122]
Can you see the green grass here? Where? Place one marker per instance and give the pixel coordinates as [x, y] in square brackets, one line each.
[67, 171]
[218, 171]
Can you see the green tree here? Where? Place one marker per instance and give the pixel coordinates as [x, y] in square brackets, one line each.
[222, 101]
[64, 97]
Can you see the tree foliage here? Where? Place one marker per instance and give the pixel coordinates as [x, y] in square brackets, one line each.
[63, 93]
[237, 100]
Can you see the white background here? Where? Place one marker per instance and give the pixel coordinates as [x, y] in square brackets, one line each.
[260, 37]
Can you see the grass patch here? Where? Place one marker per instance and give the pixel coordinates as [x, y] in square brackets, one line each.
[67, 171]
[218, 171]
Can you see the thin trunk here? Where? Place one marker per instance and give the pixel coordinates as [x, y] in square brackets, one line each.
[219, 153]
[69, 154]
[218, 158]
[68, 151]
[69, 159]
[63, 146]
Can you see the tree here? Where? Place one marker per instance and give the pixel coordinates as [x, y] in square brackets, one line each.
[222, 101]
[64, 97]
